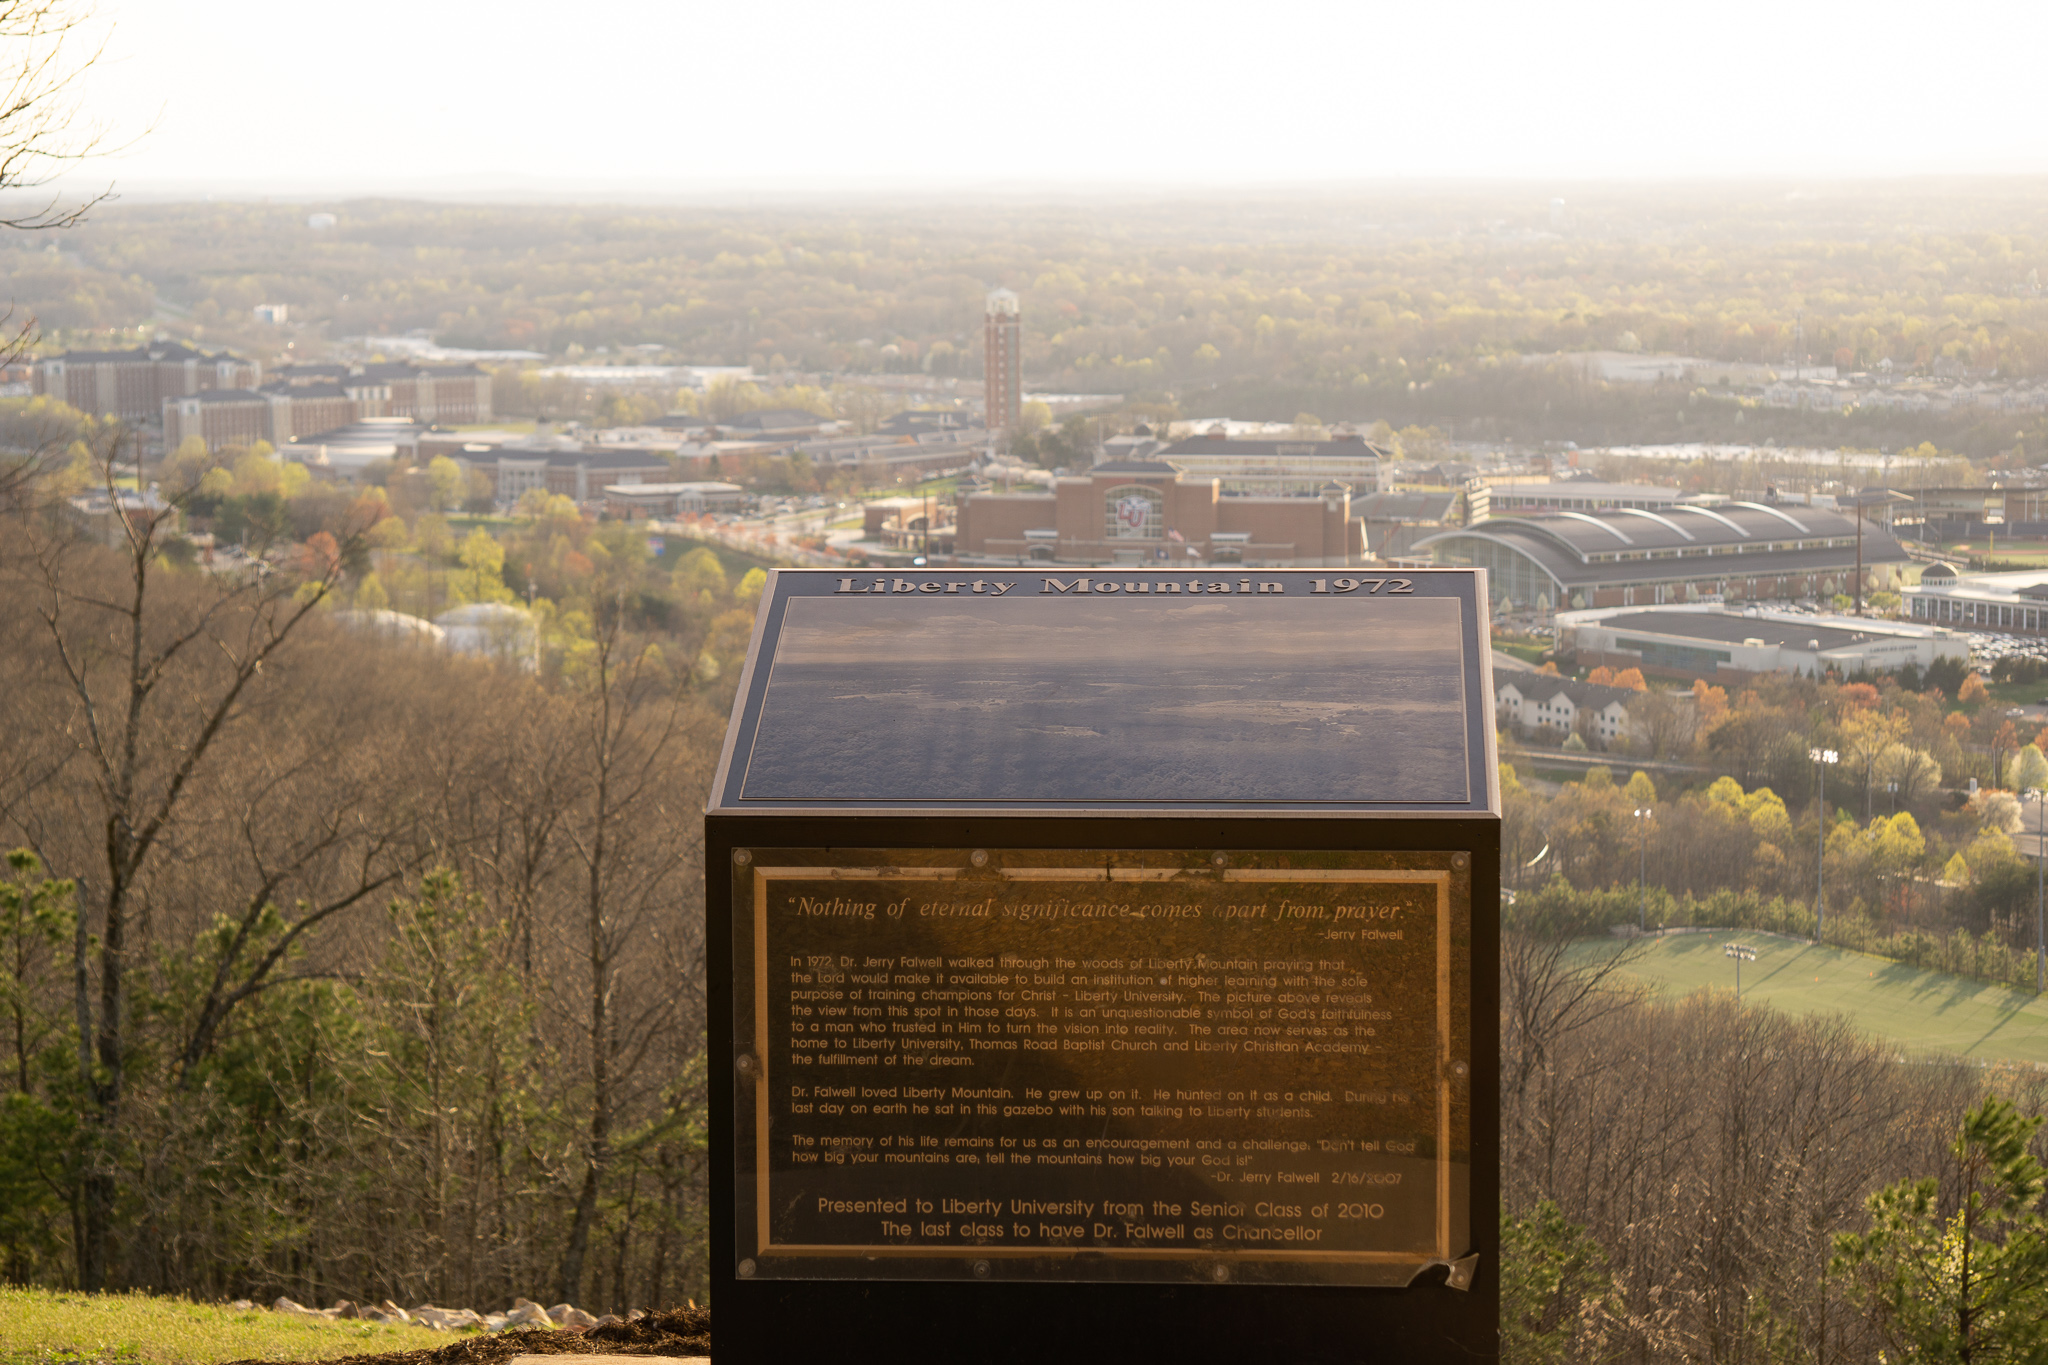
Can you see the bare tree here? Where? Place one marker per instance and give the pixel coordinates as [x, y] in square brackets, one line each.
[48, 50]
[157, 674]
[630, 855]
[45, 52]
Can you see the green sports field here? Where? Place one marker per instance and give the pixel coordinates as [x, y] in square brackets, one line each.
[1922, 1011]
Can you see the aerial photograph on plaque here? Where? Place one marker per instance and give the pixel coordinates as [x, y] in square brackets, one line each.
[1130, 699]
[1145, 688]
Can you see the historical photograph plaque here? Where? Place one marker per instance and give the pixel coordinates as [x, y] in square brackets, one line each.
[1124, 1066]
[1104, 961]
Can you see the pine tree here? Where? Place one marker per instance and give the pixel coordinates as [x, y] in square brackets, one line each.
[1963, 1278]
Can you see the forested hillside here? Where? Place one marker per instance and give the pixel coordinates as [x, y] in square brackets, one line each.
[331, 966]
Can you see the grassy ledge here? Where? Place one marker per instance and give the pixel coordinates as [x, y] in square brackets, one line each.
[52, 1327]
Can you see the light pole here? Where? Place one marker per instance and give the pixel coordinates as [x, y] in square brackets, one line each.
[1742, 953]
[1642, 867]
[1821, 758]
[2040, 864]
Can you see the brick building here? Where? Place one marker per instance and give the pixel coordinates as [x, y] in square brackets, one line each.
[276, 413]
[1150, 511]
[450, 395]
[305, 400]
[219, 417]
[1002, 362]
[134, 385]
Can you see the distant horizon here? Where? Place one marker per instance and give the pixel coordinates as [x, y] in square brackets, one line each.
[880, 191]
[912, 93]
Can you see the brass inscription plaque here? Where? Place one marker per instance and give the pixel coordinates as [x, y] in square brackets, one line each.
[1233, 1067]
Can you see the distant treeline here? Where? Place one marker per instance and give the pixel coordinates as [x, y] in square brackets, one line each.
[1391, 305]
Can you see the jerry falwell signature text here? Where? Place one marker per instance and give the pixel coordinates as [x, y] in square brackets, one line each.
[842, 907]
[1189, 586]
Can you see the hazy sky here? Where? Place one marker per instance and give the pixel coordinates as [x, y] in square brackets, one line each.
[419, 94]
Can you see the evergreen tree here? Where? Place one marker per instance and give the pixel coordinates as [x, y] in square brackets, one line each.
[1961, 1277]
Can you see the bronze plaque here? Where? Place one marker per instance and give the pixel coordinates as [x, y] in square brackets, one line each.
[1150, 1065]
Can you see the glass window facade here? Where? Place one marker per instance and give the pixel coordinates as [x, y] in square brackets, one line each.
[1511, 575]
[1134, 512]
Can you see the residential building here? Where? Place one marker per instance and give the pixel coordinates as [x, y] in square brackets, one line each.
[304, 401]
[1550, 708]
[1152, 511]
[135, 384]
[450, 395]
[1002, 362]
[1627, 557]
[219, 417]
[278, 413]
[1721, 645]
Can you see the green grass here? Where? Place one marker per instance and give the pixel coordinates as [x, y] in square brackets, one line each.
[1921, 1011]
[2017, 694]
[736, 563]
[45, 1327]
[1527, 651]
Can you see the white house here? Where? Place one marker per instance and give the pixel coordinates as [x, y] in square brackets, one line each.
[1553, 707]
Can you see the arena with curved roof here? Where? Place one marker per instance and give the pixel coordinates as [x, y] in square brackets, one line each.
[1621, 557]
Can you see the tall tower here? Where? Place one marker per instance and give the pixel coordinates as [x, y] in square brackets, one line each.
[1003, 362]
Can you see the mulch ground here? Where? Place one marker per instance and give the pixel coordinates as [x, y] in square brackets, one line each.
[684, 1332]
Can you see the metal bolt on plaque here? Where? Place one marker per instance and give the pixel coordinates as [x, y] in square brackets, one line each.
[979, 857]
[981, 1269]
[741, 857]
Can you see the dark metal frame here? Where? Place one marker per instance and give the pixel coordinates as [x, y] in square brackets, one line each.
[808, 1320]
